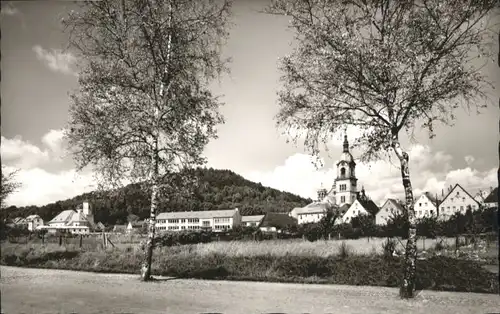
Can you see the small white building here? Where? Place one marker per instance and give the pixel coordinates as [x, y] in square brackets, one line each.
[251, 221]
[361, 206]
[426, 206]
[390, 208]
[458, 200]
[311, 213]
[34, 221]
[214, 220]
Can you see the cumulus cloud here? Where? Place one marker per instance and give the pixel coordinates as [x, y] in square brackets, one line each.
[54, 140]
[40, 187]
[22, 154]
[56, 60]
[429, 171]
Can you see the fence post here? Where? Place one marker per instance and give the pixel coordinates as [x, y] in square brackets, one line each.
[81, 239]
[423, 242]
[60, 240]
[43, 237]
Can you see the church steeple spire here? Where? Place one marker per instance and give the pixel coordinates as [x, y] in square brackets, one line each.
[346, 144]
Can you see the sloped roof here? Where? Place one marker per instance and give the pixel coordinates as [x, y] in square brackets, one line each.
[395, 203]
[313, 208]
[31, 217]
[253, 218]
[342, 209]
[18, 220]
[453, 189]
[431, 198]
[492, 197]
[63, 216]
[278, 220]
[369, 206]
[77, 217]
[198, 214]
[137, 224]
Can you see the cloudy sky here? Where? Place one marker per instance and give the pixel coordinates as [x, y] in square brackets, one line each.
[37, 74]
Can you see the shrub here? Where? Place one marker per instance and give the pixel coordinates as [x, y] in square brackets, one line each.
[345, 250]
[389, 246]
[439, 246]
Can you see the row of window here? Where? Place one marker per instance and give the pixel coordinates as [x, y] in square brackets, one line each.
[162, 228]
[176, 221]
[192, 220]
[222, 227]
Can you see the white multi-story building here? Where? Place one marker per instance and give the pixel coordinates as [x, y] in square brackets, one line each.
[426, 206]
[390, 208]
[458, 200]
[214, 220]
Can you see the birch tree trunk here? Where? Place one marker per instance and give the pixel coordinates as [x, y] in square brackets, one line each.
[407, 289]
[148, 250]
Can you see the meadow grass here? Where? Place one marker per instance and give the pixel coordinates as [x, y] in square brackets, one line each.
[352, 262]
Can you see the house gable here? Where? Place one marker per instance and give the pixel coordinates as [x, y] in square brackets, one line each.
[453, 193]
[354, 210]
[457, 200]
[390, 208]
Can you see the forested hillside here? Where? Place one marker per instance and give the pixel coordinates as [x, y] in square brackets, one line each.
[218, 189]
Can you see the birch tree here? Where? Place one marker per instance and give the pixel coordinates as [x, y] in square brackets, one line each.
[143, 111]
[382, 66]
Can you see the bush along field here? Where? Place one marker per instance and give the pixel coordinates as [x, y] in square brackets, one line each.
[358, 253]
[328, 262]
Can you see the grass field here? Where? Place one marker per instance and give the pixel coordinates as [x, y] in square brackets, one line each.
[251, 248]
[358, 262]
[300, 247]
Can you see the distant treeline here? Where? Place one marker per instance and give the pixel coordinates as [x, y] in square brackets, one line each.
[216, 189]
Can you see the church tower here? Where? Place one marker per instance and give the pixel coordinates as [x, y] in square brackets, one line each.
[345, 185]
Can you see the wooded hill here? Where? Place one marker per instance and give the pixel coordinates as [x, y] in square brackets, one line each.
[218, 189]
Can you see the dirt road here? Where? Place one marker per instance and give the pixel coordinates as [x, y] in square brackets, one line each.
[57, 291]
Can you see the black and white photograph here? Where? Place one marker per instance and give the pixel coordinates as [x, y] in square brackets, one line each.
[250, 156]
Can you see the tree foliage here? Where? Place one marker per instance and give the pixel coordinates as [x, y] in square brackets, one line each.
[382, 66]
[144, 110]
[9, 185]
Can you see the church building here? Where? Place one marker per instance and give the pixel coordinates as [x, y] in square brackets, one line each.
[342, 195]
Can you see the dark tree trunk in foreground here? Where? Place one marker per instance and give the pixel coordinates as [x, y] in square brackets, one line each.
[407, 288]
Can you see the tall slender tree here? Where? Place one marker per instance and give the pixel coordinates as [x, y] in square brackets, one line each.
[382, 66]
[143, 111]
